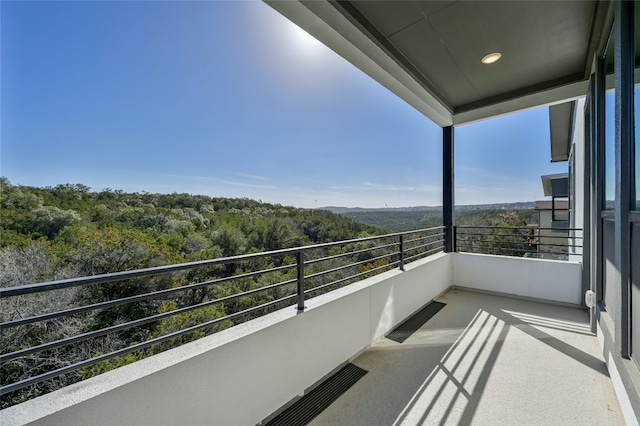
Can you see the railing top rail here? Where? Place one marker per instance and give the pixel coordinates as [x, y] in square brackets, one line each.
[485, 234]
[517, 227]
[116, 276]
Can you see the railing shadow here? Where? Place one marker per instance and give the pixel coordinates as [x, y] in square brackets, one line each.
[441, 373]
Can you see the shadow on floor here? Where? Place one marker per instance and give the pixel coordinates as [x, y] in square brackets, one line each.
[484, 359]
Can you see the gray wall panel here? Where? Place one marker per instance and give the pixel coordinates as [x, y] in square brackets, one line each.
[609, 266]
[635, 293]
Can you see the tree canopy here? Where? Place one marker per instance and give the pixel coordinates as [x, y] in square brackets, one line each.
[68, 231]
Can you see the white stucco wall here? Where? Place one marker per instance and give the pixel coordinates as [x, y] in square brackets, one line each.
[623, 398]
[243, 374]
[552, 280]
[577, 215]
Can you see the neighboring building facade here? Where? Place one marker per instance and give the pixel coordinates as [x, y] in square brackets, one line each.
[553, 220]
[553, 215]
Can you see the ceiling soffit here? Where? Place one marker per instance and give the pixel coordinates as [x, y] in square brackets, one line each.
[543, 44]
[428, 52]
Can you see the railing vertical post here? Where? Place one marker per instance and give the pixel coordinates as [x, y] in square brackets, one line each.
[300, 291]
[448, 190]
[401, 238]
[455, 238]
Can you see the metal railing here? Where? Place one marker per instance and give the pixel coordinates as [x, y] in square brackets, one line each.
[113, 319]
[522, 241]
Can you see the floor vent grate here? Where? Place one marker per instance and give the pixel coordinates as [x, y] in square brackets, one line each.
[407, 328]
[316, 401]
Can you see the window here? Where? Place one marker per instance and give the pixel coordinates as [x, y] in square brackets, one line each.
[610, 132]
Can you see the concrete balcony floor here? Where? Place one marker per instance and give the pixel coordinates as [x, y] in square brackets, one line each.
[484, 360]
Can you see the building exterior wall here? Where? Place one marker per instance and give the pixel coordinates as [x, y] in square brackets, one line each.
[611, 133]
[550, 236]
[578, 204]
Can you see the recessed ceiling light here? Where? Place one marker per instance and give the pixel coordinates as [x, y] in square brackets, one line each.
[491, 58]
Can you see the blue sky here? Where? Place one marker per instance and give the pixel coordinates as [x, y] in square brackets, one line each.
[231, 99]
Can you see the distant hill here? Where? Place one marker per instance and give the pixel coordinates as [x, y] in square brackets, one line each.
[408, 218]
[522, 205]
[340, 210]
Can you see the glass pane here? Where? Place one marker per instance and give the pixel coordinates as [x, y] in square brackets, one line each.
[609, 131]
[609, 151]
[636, 102]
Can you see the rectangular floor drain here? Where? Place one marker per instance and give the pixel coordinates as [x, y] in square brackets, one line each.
[315, 402]
[407, 328]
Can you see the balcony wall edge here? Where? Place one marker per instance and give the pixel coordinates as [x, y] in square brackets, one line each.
[237, 376]
[549, 281]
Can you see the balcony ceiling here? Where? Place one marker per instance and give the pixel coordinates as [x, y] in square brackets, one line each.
[429, 52]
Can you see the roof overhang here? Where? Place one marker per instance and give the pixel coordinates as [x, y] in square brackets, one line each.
[428, 53]
[548, 183]
[561, 118]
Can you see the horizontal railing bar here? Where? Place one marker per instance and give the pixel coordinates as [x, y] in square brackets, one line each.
[559, 245]
[536, 244]
[425, 249]
[489, 233]
[424, 245]
[517, 227]
[565, 237]
[517, 236]
[487, 251]
[350, 265]
[422, 255]
[36, 379]
[309, 262]
[320, 287]
[503, 248]
[118, 276]
[425, 237]
[311, 290]
[138, 298]
[419, 246]
[336, 256]
[328, 271]
[433, 235]
[131, 324]
[408, 259]
[520, 235]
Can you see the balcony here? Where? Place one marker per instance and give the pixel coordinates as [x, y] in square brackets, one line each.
[512, 345]
[484, 359]
[511, 341]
